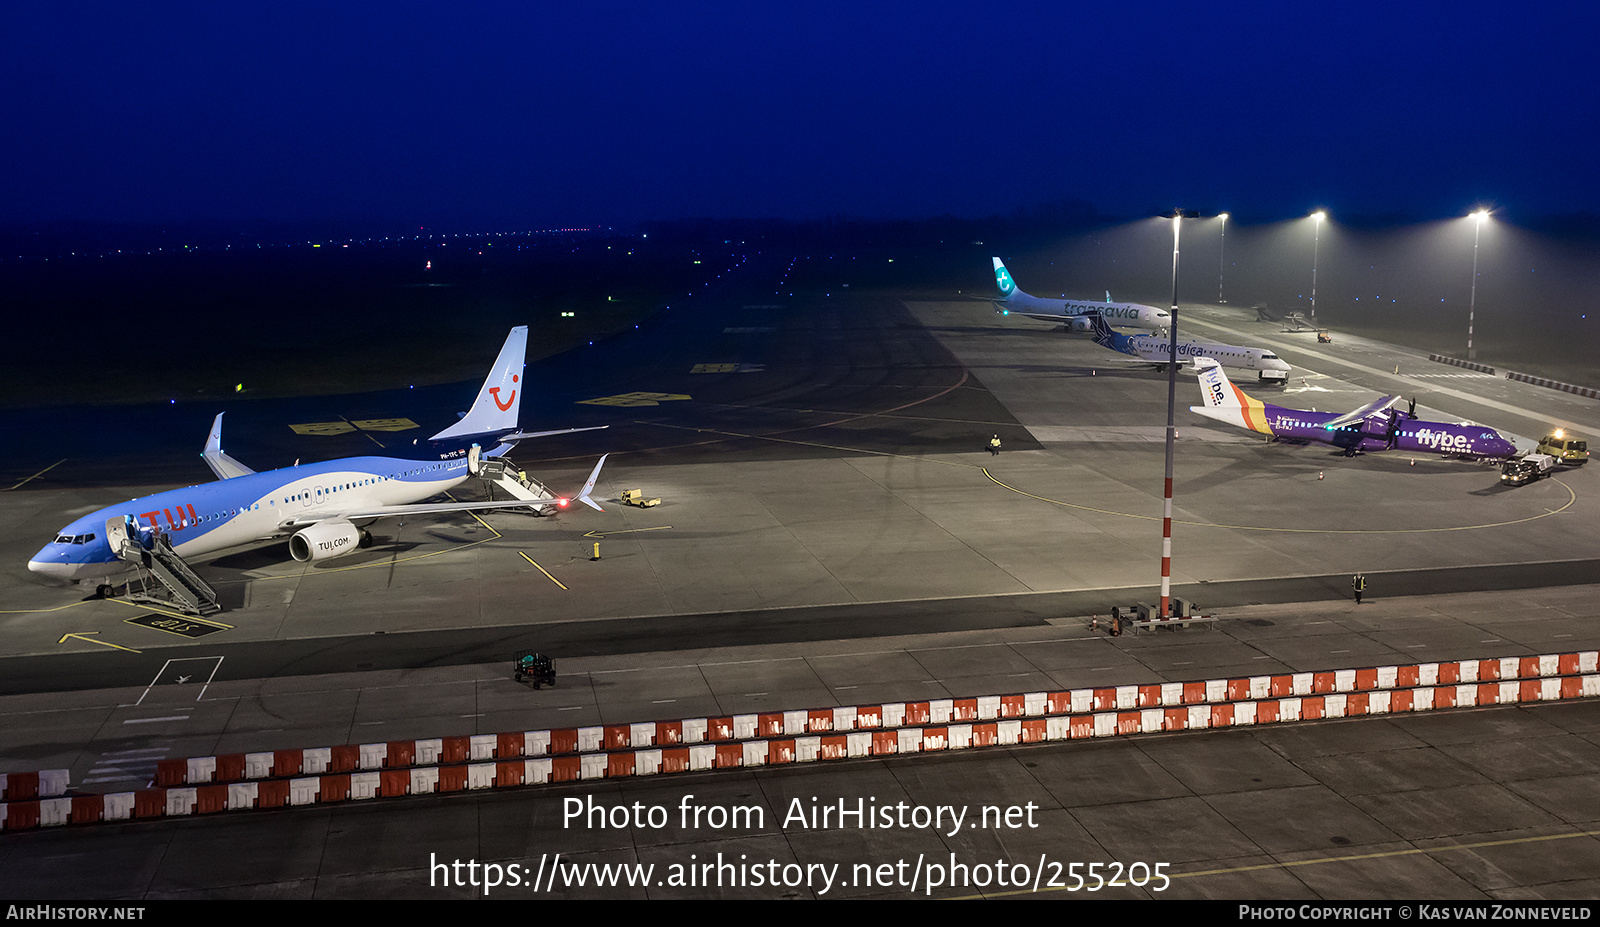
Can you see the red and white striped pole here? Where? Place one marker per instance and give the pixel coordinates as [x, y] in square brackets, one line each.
[1178, 215]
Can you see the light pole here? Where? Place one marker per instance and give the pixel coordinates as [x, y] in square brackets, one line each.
[1472, 304]
[1222, 250]
[1316, 241]
[1177, 216]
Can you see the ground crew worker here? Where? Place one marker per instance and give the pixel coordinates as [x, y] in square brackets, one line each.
[1358, 582]
[994, 446]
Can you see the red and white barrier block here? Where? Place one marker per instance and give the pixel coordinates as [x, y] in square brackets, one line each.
[358, 772]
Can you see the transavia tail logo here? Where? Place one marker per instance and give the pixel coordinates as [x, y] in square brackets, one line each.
[1002, 277]
[504, 406]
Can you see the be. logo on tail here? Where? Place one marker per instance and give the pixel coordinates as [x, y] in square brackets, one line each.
[504, 406]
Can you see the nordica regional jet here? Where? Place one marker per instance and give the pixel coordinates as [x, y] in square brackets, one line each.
[1074, 313]
[322, 506]
[1373, 427]
[1155, 349]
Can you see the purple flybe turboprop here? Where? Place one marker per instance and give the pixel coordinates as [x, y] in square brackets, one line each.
[1376, 426]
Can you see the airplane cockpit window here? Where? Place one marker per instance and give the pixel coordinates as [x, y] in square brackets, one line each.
[74, 538]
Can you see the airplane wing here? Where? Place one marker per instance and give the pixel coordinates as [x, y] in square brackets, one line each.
[1041, 316]
[1378, 405]
[427, 508]
[225, 467]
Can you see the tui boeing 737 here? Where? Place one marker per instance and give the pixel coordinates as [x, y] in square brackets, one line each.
[1376, 426]
[1073, 312]
[323, 507]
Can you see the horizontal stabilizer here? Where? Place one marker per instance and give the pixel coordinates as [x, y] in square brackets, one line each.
[525, 435]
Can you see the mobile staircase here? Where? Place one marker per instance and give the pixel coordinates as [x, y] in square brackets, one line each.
[160, 567]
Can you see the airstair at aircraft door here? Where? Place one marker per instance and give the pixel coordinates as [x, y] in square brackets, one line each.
[187, 591]
[497, 471]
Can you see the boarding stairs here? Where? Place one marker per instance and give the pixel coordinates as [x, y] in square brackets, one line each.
[501, 472]
[160, 567]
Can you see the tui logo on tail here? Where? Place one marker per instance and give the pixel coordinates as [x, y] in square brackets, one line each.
[504, 406]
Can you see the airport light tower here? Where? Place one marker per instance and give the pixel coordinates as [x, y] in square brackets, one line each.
[1472, 303]
[1316, 241]
[1222, 250]
[1177, 216]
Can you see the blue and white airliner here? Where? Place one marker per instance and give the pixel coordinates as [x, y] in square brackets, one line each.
[1074, 313]
[322, 507]
[1157, 350]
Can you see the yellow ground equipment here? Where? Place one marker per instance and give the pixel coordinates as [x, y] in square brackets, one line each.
[636, 497]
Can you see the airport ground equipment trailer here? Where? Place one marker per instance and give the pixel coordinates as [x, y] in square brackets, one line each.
[1526, 469]
[531, 664]
[1142, 616]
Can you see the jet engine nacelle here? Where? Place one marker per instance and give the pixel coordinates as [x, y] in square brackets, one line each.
[326, 540]
[1077, 324]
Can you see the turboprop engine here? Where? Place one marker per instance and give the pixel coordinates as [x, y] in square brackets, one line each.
[328, 539]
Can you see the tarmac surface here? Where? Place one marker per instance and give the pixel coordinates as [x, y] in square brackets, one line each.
[833, 533]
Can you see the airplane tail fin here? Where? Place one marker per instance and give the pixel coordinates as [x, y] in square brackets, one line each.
[1100, 328]
[1225, 402]
[500, 398]
[1002, 279]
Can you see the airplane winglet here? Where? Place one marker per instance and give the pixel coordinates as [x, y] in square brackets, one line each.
[225, 467]
[588, 487]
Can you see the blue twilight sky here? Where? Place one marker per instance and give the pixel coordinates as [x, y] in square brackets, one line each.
[517, 115]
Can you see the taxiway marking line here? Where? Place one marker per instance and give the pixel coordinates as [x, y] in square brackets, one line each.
[81, 637]
[1572, 498]
[543, 570]
[41, 472]
[602, 534]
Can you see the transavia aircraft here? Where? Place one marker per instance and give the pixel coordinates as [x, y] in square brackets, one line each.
[1157, 350]
[1074, 313]
[1373, 427]
[322, 507]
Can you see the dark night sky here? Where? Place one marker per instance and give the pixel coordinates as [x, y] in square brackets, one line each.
[533, 115]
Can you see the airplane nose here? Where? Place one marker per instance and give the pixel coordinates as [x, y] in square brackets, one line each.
[48, 568]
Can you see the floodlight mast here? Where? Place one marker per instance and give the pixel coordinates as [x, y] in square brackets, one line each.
[1472, 304]
[1222, 250]
[1316, 241]
[1177, 216]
